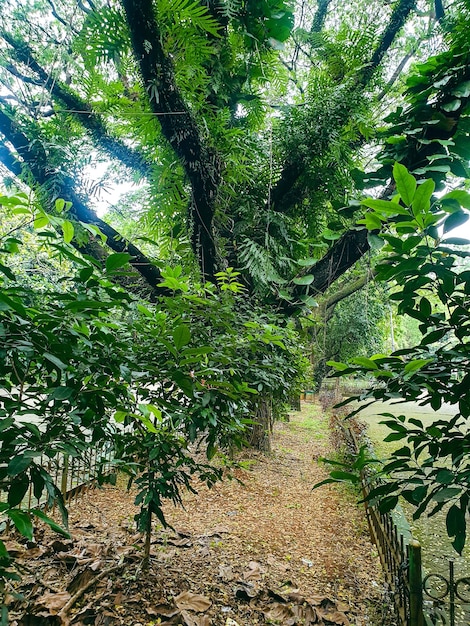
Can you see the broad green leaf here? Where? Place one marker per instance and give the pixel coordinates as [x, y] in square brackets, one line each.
[445, 476]
[307, 262]
[120, 416]
[41, 221]
[463, 90]
[446, 494]
[67, 231]
[365, 362]
[53, 359]
[7, 271]
[375, 242]
[59, 205]
[406, 183]
[337, 366]
[22, 521]
[341, 475]
[181, 336]
[303, 280]
[11, 303]
[415, 365]
[455, 219]
[18, 464]
[116, 261]
[422, 197]
[385, 207]
[62, 393]
[146, 422]
[18, 488]
[453, 105]
[309, 301]
[53, 525]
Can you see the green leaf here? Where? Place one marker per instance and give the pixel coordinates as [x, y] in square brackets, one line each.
[181, 336]
[40, 222]
[455, 520]
[365, 362]
[303, 280]
[53, 525]
[18, 489]
[22, 521]
[120, 416]
[463, 90]
[12, 304]
[307, 262]
[446, 494]
[62, 393]
[406, 183]
[18, 464]
[453, 105]
[415, 365]
[117, 260]
[422, 197]
[7, 271]
[53, 359]
[59, 205]
[375, 242]
[67, 231]
[348, 476]
[445, 476]
[337, 366]
[455, 219]
[385, 207]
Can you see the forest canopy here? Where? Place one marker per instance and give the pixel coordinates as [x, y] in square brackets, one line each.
[252, 128]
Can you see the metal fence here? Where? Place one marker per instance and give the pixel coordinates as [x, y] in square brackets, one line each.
[430, 600]
[72, 474]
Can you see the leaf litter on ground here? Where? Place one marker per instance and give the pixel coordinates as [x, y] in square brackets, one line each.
[263, 549]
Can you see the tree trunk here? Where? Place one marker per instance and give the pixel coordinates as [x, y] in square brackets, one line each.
[260, 437]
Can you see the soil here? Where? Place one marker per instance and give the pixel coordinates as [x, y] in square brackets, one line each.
[263, 548]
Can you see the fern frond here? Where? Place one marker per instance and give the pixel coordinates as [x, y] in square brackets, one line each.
[256, 259]
[104, 36]
[188, 11]
[230, 8]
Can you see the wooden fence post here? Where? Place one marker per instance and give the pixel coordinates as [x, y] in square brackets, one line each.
[416, 584]
[65, 471]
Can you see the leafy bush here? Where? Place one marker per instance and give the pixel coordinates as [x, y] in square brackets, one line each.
[430, 271]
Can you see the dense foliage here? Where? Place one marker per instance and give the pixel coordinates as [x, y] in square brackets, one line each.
[86, 364]
[251, 130]
[431, 272]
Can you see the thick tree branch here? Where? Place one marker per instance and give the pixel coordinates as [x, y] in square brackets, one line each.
[320, 16]
[286, 193]
[34, 161]
[397, 20]
[76, 106]
[201, 165]
[329, 305]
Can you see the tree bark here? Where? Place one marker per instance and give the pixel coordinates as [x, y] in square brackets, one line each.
[35, 164]
[201, 164]
[76, 107]
[260, 436]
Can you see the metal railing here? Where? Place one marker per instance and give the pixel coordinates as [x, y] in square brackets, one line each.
[431, 600]
[71, 474]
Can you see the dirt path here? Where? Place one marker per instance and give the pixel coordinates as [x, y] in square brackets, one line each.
[266, 550]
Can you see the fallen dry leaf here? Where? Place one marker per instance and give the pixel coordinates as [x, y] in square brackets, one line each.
[195, 620]
[226, 573]
[162, 610]
[54, 602]
[254, 571]
[187, 601]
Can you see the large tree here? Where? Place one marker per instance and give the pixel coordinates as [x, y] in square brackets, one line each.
[246, 120]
